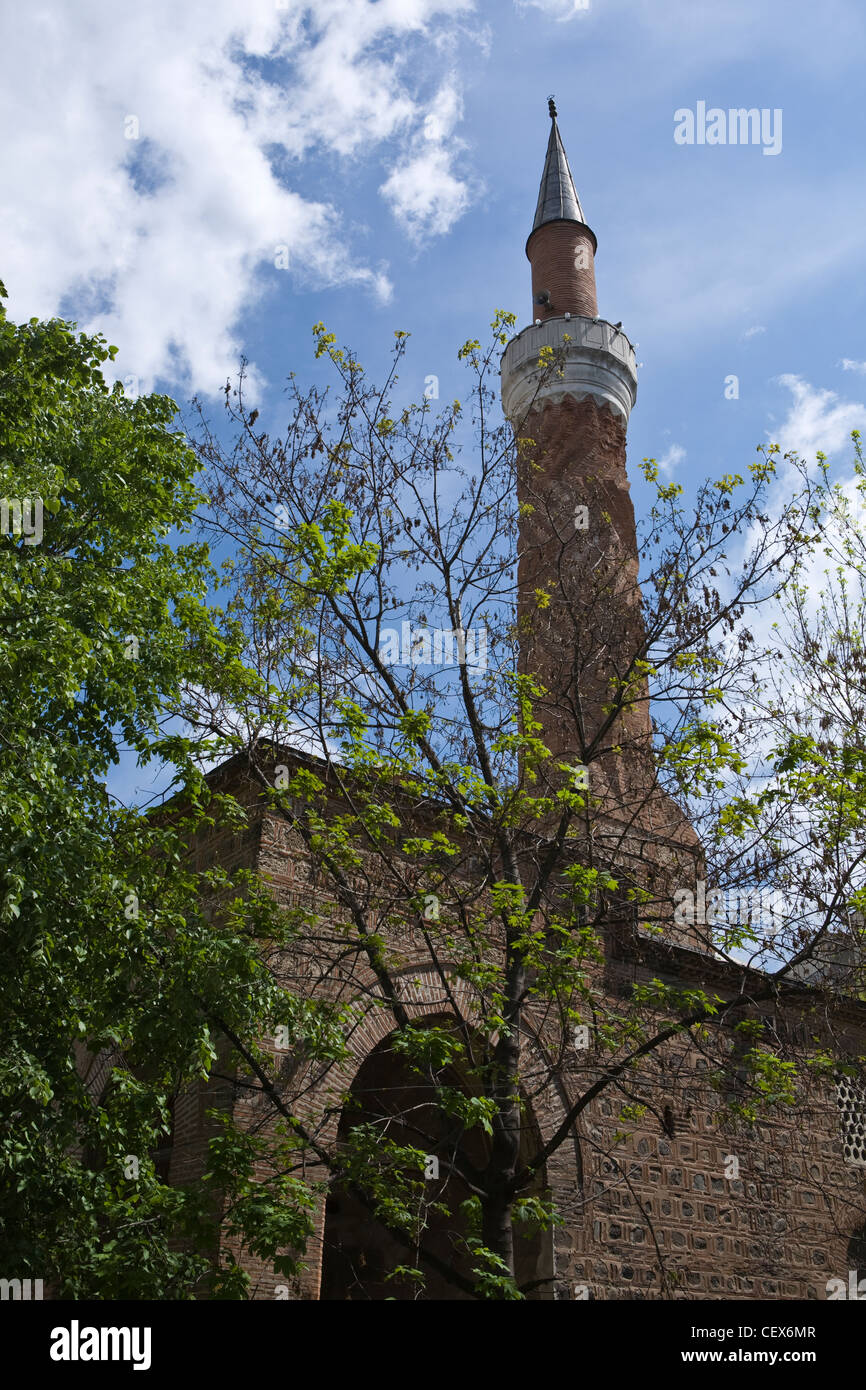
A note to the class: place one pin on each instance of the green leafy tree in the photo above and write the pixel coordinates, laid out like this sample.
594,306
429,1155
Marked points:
122,969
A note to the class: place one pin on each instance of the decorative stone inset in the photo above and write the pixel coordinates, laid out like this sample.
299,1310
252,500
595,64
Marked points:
851,1100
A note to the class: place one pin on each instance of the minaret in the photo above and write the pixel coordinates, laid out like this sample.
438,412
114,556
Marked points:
568,387
569,384
577,539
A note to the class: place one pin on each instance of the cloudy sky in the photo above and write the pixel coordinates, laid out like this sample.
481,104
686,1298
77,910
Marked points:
208,179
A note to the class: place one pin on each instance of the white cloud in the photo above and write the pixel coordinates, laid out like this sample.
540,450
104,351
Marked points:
754,331
817,420
424,194
560,10
849,365
671,460
163,241
446,110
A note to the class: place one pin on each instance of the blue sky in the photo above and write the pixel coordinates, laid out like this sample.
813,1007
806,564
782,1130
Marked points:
393,151
158,160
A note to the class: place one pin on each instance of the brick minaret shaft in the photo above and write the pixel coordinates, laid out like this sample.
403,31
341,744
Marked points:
577,538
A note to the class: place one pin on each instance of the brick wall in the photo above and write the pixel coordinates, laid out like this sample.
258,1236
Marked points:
562,255
665,1196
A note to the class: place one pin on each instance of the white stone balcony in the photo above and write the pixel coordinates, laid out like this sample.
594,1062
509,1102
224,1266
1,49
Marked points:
599,362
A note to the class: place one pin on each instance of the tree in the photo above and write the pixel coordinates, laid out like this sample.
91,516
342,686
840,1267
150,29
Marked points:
114,958
455,738
804,824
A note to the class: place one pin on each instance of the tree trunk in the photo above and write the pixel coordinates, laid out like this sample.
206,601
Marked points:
497,1230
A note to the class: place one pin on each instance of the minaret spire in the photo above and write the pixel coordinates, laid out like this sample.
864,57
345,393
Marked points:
561,247
557,196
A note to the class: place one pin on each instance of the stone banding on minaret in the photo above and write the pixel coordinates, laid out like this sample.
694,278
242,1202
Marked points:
599,361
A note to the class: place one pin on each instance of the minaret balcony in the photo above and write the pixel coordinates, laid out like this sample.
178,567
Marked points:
599,361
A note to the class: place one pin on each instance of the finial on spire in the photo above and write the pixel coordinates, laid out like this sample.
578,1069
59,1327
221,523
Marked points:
551,106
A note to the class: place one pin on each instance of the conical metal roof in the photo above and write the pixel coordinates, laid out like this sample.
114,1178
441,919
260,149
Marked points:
557,196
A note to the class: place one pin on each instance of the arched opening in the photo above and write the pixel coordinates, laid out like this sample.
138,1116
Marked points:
360,1251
